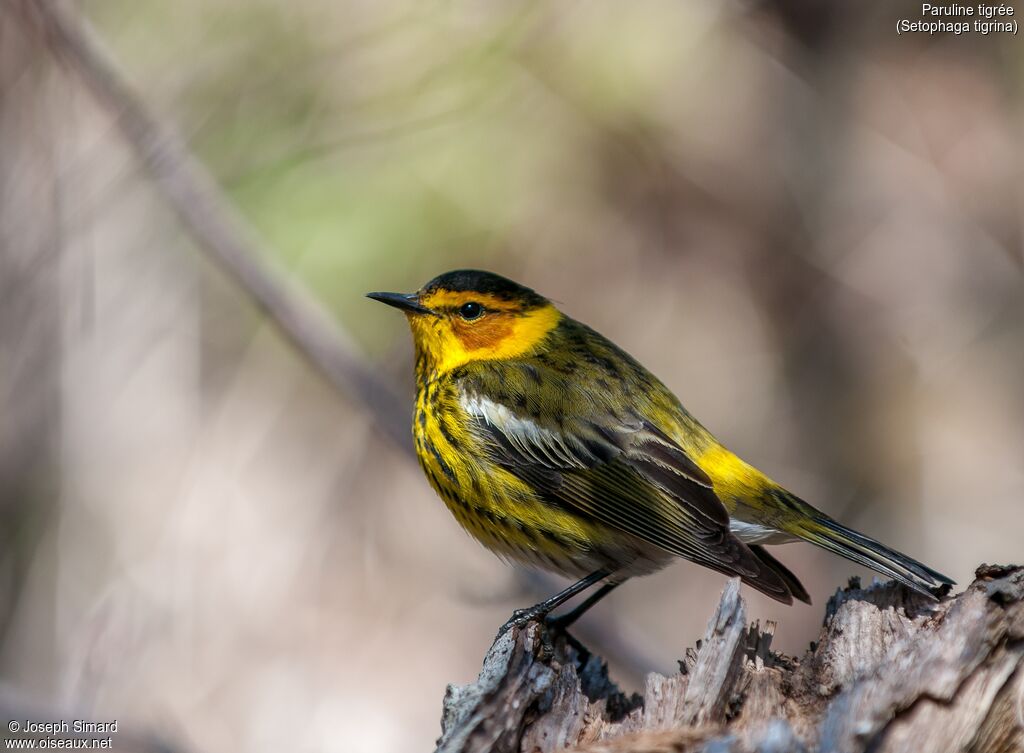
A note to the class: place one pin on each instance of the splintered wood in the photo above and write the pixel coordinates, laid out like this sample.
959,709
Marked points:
890,673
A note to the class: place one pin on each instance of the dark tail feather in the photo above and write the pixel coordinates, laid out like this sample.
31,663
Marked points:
770,583
756,573
792,582
857,547
742,561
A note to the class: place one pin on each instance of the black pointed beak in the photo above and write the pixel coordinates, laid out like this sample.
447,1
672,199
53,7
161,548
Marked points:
406,302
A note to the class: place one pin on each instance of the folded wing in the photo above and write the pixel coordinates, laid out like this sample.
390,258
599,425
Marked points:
625,474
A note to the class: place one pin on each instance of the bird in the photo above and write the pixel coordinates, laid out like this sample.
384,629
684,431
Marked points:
555,448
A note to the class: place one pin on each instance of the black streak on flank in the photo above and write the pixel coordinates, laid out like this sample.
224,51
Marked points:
445,468
456,499
456,445
433,477
474,481
525,531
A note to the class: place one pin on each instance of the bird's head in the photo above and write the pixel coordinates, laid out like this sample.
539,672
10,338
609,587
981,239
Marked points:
468,315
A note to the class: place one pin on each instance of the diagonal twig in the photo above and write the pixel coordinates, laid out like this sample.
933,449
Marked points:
212,221
228,239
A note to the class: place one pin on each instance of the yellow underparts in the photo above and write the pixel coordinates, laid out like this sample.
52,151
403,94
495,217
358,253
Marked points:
496,507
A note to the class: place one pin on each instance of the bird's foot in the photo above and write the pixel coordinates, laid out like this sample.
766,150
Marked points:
553,627
520,618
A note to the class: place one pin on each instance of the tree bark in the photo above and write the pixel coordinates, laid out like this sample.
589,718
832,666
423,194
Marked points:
890,672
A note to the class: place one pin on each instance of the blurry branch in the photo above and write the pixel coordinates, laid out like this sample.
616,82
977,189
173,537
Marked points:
219,230
31,246
213,222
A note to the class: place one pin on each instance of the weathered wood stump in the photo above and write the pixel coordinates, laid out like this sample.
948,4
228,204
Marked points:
890,672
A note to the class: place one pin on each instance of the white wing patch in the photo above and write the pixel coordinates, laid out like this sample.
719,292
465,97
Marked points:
536,443
754,533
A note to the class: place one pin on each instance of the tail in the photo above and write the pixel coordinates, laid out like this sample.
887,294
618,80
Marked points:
819,529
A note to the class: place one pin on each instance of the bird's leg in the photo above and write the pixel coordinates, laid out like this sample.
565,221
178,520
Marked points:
564,621
521,616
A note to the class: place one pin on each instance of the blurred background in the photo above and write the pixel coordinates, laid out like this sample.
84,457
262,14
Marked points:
807,226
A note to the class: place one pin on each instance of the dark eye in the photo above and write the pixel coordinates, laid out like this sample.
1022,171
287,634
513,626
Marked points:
471,310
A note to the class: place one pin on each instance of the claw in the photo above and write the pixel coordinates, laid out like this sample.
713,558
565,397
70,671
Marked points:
519,619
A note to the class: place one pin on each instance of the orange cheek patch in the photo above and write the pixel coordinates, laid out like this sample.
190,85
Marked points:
487,333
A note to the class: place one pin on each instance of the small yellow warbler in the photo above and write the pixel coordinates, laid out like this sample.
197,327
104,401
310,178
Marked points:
554,447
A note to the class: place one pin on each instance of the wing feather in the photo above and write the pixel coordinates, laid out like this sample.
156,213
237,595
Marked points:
627,475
